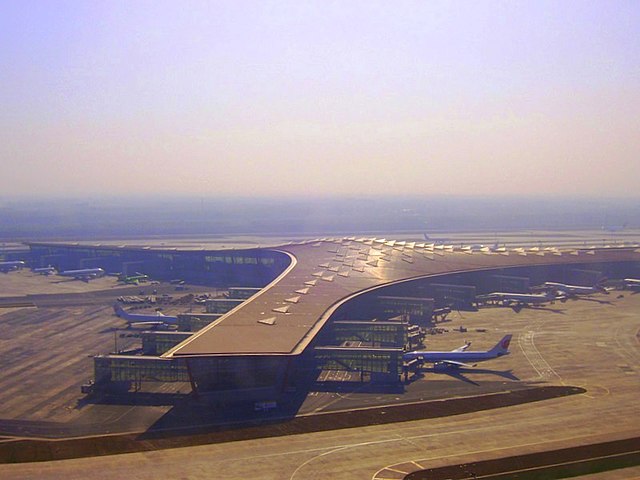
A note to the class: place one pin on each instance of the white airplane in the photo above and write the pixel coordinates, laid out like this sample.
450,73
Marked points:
84,274
457,357
141,320
44,270
574,289
632,284
6,267
519,300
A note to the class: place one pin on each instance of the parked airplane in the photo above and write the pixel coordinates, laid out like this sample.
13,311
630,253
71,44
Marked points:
519,300
632,284
440,314
6,267
457,357
84,274
141,320
574,290
44,270
133,279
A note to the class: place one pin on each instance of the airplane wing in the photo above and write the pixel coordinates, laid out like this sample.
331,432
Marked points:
145,324
454,364
462,348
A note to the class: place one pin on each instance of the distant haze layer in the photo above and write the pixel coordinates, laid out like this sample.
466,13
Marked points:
320,98
158,216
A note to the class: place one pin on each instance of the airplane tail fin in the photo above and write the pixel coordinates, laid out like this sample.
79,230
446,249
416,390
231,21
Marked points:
502,347
119,311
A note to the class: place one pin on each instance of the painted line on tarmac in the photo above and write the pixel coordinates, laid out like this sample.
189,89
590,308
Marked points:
476,452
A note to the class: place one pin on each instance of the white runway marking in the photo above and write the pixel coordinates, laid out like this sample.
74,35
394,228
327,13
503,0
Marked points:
533,355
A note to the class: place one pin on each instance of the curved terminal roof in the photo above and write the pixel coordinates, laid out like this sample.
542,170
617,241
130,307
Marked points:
285,316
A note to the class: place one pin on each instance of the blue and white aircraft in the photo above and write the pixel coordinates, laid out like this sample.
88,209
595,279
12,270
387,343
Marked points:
457,357
141,320
519,300
6,267
84,274
632,284
574,290
44,270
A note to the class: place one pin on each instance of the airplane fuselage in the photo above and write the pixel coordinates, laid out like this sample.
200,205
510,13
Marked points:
523,298
134,278
458,357
10,266
574,289
85,273
434,357
142,317
632,284
44,270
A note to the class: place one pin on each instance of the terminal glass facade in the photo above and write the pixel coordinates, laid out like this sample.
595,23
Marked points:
242,292
460,297
249,373
365,360
192,322
137,369
157,343
418,310
375,333
509,283
251,268
222,305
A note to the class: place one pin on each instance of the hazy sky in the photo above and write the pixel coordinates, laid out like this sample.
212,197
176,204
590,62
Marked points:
320,98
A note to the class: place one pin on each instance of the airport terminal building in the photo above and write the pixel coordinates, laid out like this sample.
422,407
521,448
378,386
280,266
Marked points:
351,304
251,268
